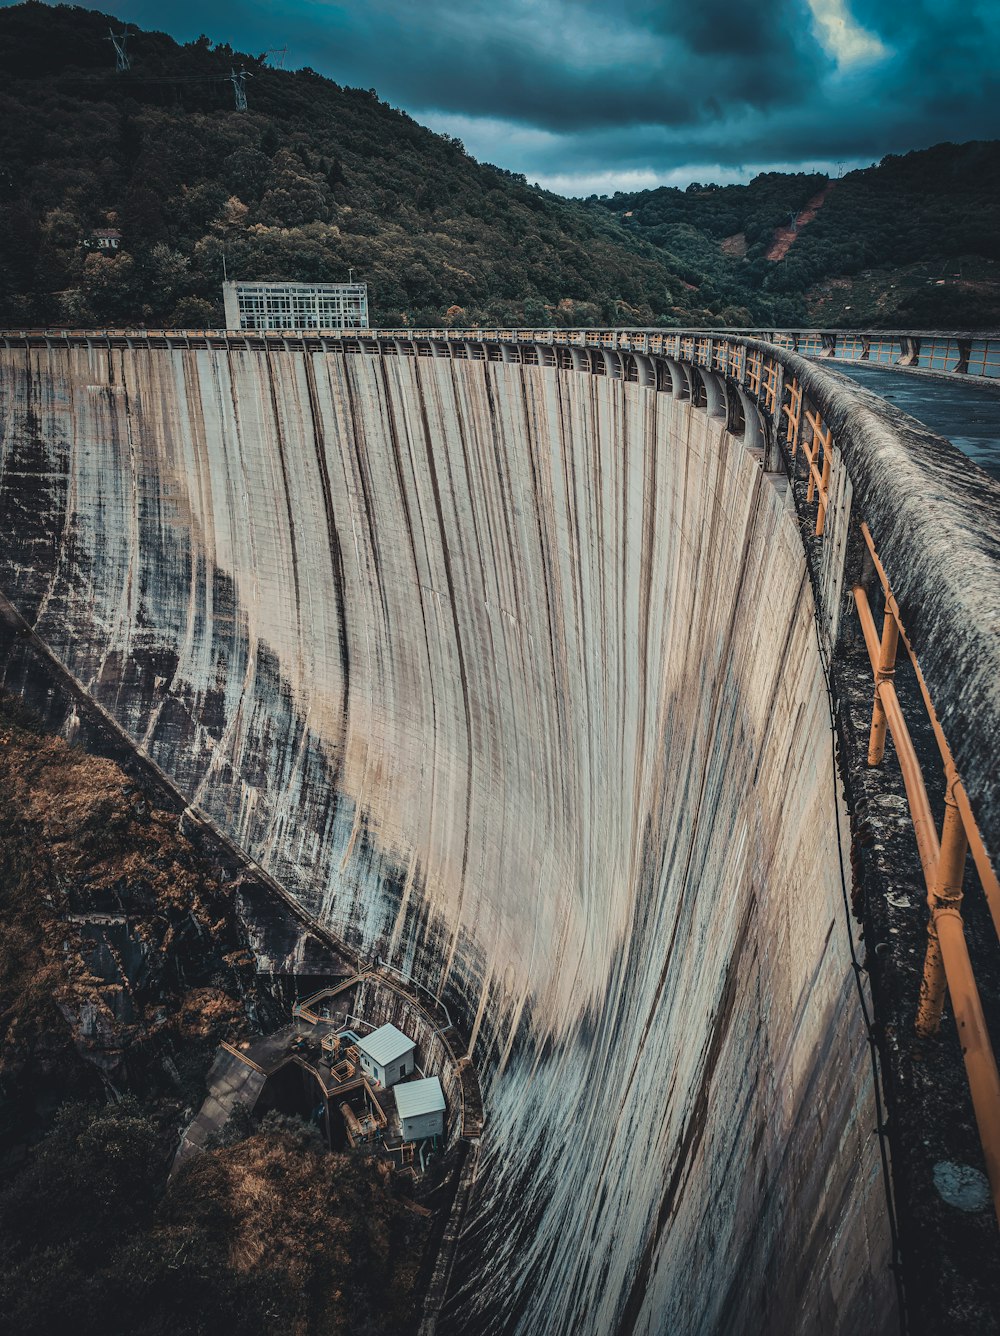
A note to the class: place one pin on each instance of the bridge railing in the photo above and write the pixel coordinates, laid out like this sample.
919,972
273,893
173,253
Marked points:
865,470
869,469
975,355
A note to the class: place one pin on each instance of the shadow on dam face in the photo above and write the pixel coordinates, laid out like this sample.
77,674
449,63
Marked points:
510,676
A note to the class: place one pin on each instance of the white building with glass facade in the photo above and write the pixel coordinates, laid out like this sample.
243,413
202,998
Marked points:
296,305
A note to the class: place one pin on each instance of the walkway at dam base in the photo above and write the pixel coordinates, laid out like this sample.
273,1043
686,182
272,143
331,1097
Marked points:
637,693
314,1068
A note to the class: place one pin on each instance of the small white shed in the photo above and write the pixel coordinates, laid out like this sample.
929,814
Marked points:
421,1109
387,1055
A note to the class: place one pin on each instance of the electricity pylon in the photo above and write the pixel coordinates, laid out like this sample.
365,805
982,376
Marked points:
123,62
239,88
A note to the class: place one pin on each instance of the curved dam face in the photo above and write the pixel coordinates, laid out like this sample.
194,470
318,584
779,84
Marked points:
510,676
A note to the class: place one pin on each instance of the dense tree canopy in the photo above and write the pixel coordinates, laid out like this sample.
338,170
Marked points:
910,241
311,181
314,180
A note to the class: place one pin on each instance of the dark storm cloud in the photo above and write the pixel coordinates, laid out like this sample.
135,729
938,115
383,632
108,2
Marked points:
720,27
566,88
559,64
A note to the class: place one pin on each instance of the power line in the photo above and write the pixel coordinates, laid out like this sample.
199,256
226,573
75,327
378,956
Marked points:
236,78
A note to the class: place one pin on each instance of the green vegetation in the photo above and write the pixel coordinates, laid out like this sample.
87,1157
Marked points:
311,181
315,180
912,241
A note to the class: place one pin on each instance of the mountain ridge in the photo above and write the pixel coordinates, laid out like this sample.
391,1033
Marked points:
315,180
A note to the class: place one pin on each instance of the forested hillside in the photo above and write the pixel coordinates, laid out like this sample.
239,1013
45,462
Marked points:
310,181
314,180
912,241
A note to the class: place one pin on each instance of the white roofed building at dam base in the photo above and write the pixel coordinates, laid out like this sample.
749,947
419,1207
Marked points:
387,1055
421,1109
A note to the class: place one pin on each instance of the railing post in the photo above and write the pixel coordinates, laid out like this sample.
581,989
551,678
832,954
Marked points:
883,673
945,898
810,450
824,488
947,964
793,411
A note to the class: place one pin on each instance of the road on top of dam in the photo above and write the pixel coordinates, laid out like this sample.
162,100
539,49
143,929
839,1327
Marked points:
967,412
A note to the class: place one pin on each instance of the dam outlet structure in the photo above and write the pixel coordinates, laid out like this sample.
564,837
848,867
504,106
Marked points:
541,666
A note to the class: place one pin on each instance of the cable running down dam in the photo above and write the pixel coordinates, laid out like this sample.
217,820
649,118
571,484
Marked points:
526,664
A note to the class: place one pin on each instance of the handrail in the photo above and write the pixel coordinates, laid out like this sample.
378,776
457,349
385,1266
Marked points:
987,877
818,419
943,862
813,428
810,430
971,355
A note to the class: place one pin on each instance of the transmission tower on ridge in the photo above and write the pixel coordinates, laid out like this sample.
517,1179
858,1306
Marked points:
280,52
123,61
240,88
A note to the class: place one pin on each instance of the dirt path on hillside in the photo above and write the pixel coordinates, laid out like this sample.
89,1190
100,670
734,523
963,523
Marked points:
784,237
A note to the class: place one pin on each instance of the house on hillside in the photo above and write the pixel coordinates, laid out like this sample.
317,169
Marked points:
104,239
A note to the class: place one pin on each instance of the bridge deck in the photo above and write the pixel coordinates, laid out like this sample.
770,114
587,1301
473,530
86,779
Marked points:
966,412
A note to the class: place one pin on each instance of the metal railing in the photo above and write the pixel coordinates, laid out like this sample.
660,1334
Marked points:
972,354
947,964
780,384
798,418
975,355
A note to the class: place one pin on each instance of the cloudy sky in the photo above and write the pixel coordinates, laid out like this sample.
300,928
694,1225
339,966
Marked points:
599,95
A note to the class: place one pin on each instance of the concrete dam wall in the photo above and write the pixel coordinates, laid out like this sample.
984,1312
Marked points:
509,675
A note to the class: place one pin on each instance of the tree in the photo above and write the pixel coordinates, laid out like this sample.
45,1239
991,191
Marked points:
335,173
108,284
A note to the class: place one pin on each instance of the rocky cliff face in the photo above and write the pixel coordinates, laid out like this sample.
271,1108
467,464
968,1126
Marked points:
123,961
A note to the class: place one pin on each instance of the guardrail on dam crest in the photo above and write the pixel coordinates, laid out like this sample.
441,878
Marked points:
518,658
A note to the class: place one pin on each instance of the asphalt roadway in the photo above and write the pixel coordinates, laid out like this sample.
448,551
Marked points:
966,411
